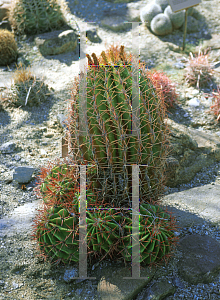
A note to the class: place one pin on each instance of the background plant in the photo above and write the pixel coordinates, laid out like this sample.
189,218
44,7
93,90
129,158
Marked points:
57,234
27,89
164,86
215,108
8,48
37,16
199,72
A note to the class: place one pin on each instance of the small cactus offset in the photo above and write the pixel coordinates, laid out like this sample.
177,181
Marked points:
57,233
8,48
110,142
59,185
156,235
37,16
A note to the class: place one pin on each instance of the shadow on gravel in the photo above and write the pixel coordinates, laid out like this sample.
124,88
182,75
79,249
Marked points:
4,119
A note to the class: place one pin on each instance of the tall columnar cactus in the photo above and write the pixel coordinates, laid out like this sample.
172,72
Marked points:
110,143
37,16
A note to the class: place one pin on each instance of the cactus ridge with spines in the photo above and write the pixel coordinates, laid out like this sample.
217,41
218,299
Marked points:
110,143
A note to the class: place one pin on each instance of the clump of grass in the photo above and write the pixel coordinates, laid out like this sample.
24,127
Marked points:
199,72
164,86
27,89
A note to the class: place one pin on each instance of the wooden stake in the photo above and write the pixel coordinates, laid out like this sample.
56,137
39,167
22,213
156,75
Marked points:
64,149
185,27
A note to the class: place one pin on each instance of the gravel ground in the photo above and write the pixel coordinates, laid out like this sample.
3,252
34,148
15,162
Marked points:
23,275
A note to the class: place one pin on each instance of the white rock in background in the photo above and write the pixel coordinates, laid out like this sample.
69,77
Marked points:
17,157
8,147
23,174
148,12
176,18
161,25
43,152
194,102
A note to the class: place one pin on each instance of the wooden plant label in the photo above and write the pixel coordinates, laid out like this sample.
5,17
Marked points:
177,5
64,149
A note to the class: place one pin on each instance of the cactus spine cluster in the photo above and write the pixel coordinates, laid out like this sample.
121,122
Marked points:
110,143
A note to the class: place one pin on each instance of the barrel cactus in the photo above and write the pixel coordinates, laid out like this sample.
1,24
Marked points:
103,229
61,186
156,236
37,16
56,230
57,233
110,144
27,89
8,48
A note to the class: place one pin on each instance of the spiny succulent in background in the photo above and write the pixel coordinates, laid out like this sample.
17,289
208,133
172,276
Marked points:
164,86
27,89
56,230
8,48
199,71
37,16
110,143
156,235
215,108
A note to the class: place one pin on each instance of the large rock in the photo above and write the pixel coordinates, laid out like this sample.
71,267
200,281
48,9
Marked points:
161,25
200,262
159,290
148,12
23,174
113,285
57,42
92,35
8,147
163,3
120,20
177,18
191,150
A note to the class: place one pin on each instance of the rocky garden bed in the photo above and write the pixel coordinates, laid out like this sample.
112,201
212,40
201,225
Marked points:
31,136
